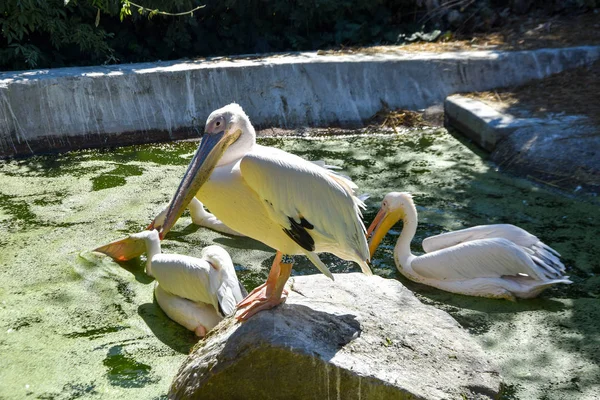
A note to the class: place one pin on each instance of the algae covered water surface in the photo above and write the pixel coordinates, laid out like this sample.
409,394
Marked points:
77,325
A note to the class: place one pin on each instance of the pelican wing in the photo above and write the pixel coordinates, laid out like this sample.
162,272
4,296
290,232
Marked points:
186,312
314,206
510,232
483,258
516,235
183,276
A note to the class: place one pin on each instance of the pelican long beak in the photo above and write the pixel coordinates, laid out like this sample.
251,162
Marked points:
123,249
382,223
202,165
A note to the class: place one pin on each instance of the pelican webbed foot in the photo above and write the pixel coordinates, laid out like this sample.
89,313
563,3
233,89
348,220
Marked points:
269,294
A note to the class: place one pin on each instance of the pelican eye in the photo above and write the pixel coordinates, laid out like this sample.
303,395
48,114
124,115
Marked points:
218,123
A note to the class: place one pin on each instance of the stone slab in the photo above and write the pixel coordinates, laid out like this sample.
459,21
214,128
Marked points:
478,121
67,108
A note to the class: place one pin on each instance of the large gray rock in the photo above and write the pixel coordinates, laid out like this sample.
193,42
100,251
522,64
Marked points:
356,338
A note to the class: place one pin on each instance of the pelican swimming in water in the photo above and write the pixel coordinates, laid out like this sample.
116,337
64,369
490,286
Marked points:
499,261
194,292
284,201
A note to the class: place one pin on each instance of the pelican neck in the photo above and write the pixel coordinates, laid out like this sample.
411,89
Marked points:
409,229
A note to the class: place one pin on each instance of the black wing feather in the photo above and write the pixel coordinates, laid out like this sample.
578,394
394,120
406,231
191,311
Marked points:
299,234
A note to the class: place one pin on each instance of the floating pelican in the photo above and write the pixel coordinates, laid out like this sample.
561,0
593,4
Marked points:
194,292
282,200
501,261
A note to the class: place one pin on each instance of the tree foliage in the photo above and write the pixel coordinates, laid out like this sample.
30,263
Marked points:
55,33
50,33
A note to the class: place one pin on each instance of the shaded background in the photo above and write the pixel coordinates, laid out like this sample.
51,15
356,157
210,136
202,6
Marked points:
49,34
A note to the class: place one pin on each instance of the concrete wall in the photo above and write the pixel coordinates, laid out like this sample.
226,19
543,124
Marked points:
93,106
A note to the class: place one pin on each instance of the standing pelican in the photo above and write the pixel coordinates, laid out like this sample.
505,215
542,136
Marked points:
501,261
194,292
282,200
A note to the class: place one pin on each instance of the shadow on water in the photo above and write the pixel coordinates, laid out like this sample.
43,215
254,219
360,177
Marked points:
82,162
167,331
73,390
177,234
239,242
124,371
137,266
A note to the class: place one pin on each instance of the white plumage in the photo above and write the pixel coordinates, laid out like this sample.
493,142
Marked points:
503,242
489,261
195,292
197,317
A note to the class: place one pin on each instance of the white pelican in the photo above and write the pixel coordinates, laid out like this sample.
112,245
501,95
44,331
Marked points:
194,292
499,261
272,196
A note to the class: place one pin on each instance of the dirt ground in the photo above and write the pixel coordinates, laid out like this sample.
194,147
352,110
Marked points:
572,92
519,33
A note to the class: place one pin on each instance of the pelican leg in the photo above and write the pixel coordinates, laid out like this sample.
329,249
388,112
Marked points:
262,292
275,295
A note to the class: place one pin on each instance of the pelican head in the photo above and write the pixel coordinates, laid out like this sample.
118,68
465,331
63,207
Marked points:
228,135
393,208
220,261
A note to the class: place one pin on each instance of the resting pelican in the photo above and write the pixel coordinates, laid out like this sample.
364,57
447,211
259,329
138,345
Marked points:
500,261
194,292
277,198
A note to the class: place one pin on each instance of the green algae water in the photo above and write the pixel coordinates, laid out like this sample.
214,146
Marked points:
76,325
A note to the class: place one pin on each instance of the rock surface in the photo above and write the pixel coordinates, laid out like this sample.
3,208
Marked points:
358,337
